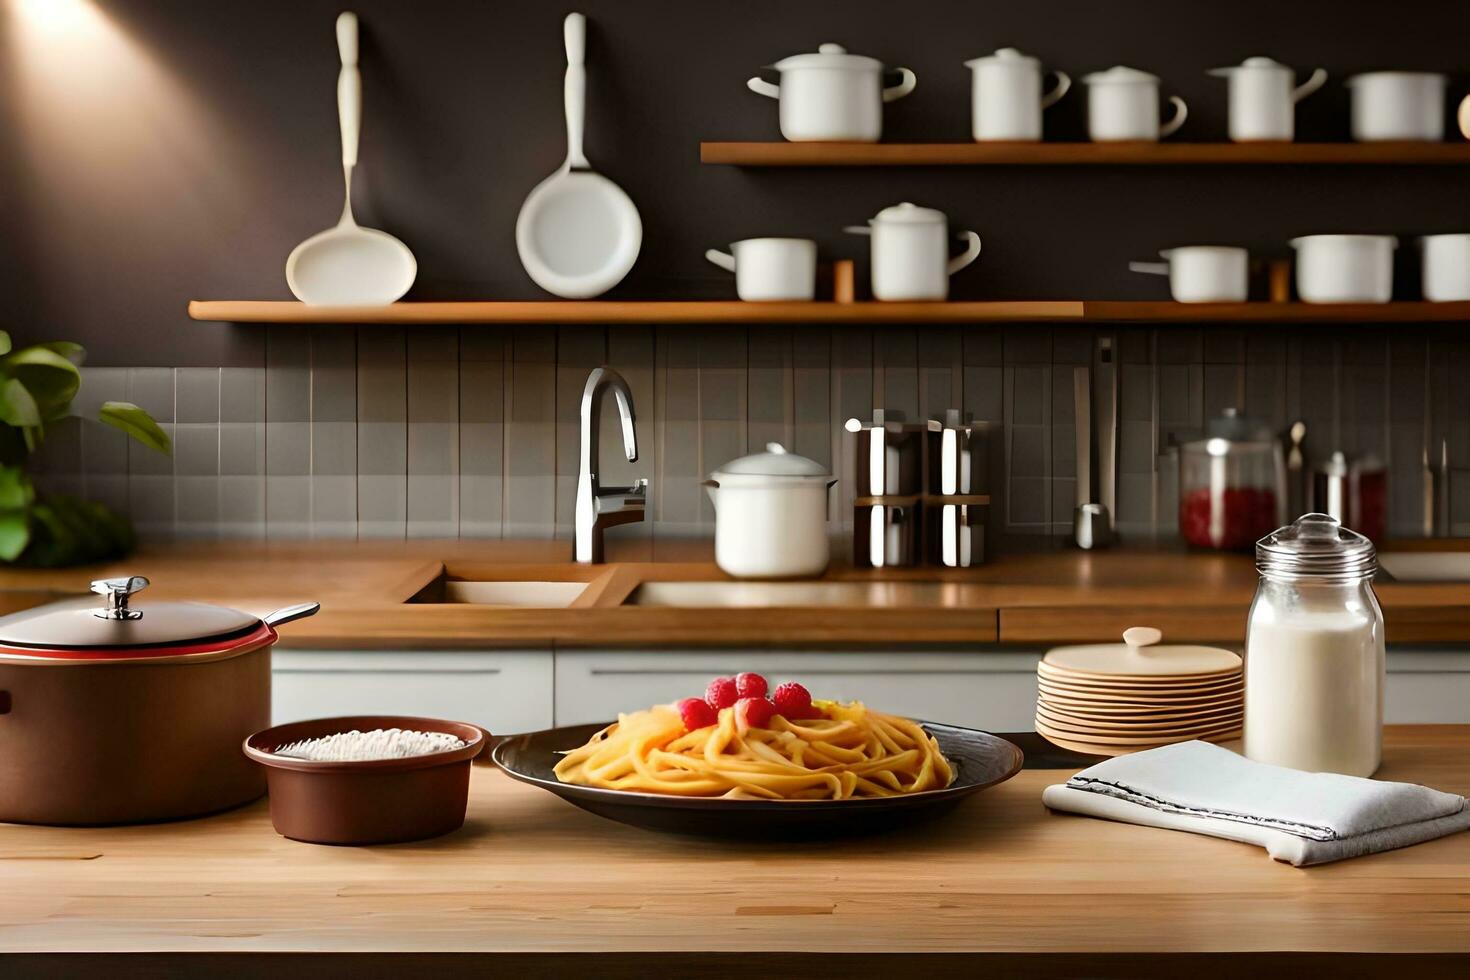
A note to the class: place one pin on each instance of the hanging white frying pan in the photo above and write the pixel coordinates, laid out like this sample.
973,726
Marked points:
578,233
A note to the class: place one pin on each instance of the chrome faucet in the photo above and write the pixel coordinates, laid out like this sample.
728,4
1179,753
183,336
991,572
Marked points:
600,507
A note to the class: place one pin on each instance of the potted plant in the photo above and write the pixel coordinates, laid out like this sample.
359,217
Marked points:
37,386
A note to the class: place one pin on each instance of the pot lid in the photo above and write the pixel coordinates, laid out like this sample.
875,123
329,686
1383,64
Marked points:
909,214
776,461
1430,75
1141,655
1004,56
1258,62
1121,75
117,623
829,55
1316,546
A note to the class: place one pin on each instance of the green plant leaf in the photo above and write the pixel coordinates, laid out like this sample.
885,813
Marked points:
16,497
17,406
50,377
15,534
16,491
70,350
4,342
136,423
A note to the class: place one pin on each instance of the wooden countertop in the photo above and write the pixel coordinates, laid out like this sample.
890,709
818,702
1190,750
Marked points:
1055,597
532,875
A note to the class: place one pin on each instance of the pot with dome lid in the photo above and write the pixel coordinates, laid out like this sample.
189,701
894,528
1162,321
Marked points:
119,711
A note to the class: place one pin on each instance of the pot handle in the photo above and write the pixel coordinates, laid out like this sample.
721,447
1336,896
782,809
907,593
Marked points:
969,255
760,86
710,486
1319,77
858,229
292,613
1064,83
904,87
1149,268
1181,113
724,260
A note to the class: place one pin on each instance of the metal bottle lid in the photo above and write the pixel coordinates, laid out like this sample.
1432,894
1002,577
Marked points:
1318,547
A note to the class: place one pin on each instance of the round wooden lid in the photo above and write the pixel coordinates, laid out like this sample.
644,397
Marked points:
1141,656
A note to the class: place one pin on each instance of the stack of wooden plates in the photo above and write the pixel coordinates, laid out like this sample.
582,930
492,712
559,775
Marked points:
1114,698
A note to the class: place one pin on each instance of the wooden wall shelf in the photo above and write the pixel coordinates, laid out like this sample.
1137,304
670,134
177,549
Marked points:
734,311
781,154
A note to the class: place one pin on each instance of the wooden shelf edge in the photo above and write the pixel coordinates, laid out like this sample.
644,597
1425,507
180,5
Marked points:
782,154
734,311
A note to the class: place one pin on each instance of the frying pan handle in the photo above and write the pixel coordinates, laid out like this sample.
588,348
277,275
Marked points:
575,31
292,613
349,88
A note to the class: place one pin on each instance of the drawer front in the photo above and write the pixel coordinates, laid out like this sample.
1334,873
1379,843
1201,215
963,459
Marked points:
995,691
503,691
1427,687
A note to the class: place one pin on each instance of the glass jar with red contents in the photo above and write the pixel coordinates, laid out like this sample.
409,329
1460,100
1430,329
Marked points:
1232,484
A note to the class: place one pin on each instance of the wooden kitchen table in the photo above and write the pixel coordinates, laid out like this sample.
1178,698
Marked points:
534,887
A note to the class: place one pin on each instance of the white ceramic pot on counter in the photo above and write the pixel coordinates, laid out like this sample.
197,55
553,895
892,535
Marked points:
910,252
1446,268
771,515
1123,104
1006,96
770,269
1263,98
1203,273
832,95
1344,268
1398,105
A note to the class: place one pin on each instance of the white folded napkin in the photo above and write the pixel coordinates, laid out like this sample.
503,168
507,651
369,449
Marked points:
1300,817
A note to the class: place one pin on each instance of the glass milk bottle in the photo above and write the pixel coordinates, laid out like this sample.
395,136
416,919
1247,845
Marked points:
1314,655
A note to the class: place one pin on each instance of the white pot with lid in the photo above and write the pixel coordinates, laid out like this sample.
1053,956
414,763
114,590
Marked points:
1398,105
1344,268
1446,269
1263,98
1202,273
1123,105
771,514
830,94
1007,99
910,252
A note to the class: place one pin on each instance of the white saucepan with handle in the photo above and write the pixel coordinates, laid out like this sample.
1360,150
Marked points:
578,233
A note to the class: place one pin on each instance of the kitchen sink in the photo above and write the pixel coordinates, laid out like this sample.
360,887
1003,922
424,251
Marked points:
724,594
523,587
1426,566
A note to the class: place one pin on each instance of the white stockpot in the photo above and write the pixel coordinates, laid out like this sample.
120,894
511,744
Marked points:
832,95
770,514
1203,273
1344,268
910,252
1263,98
1123,104
1007,99
1398,105
1446,267
768,269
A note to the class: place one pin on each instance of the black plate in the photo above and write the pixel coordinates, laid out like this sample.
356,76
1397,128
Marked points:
979,759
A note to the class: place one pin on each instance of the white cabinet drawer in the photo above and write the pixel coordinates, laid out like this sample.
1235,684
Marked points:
504,691
995,691
1427,687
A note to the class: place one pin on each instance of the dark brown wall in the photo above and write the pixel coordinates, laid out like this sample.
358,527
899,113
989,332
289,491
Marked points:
189,165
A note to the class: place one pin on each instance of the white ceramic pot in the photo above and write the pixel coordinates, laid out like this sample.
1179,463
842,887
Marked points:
1398,105
768,269
1263,98
832,95
1007,99
910,252
1446,267
1123,104
1203,273
1344,268
770,515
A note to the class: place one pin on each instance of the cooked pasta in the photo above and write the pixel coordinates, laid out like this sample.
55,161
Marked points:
849,752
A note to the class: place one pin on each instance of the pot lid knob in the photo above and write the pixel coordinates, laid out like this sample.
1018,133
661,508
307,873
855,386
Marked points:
830,48
119,590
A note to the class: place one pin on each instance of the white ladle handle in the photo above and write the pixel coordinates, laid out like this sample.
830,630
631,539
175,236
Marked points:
575,29
349,88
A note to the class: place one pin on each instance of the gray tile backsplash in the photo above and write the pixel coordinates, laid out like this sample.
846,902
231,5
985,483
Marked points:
473,431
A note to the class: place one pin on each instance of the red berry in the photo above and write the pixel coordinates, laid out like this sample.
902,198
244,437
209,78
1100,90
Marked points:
749,685
755,712
793,700
697,714
721,693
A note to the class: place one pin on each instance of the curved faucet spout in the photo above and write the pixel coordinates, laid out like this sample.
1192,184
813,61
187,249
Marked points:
597,506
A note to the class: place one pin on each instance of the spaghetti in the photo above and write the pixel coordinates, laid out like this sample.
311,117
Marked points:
849,752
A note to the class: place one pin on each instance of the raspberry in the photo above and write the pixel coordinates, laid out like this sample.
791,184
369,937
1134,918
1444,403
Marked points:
793,701
749,685
721,693
754,712
697,714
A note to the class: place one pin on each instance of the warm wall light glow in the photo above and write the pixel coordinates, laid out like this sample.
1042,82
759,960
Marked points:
54,18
